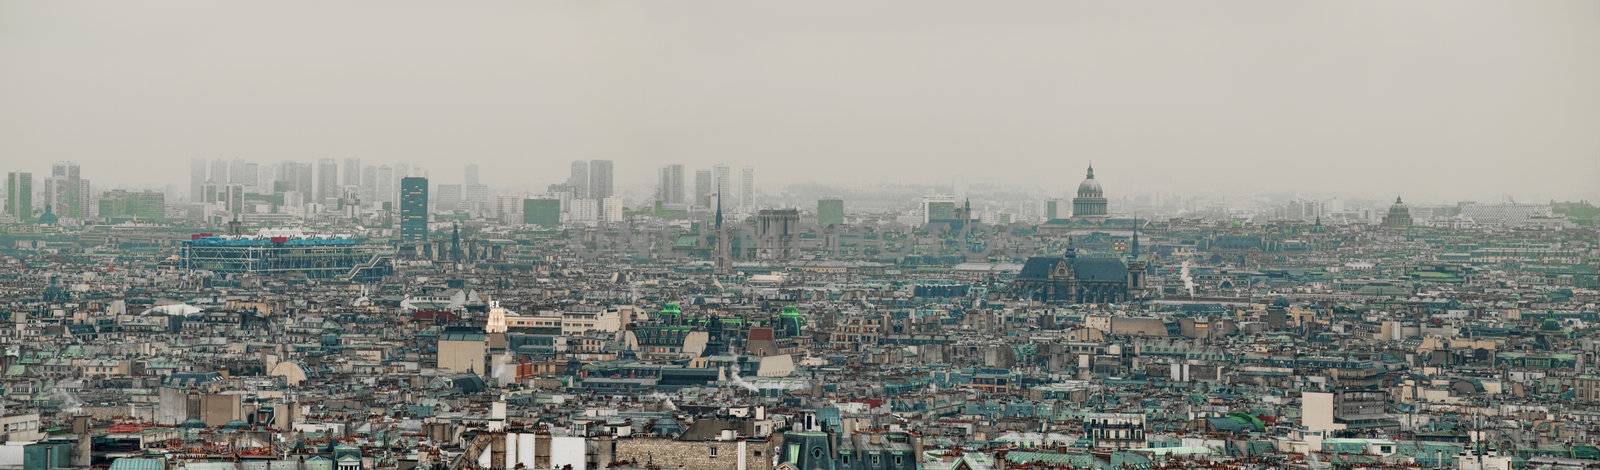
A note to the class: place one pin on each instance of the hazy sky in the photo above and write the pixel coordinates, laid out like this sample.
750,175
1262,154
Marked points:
1433,99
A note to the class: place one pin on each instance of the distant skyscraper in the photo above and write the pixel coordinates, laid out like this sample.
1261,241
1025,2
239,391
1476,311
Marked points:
414,210
471,176
249,175
327,179
67,195
242,172
474,198
235,199
352,171
747,189
369,184
296,177
830,212
579,179
671,185
197,179
385,190
219,172
600,179
19,195
448,198
702,188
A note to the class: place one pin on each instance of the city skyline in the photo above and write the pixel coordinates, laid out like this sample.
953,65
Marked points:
1363,98
722,235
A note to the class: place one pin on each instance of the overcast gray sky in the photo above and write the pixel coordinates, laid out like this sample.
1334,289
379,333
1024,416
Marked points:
1436,99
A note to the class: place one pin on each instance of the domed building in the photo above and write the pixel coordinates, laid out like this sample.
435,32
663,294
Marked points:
1399,215
1091,201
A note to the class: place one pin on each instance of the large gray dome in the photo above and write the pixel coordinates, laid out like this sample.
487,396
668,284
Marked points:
1090,187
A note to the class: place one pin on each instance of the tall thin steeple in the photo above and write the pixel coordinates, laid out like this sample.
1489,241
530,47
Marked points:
719,210
455,242
724,255
1134,249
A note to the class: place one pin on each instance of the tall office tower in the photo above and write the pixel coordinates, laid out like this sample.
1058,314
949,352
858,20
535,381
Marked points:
296,177
352,172
327,180
448,198
19,195
250,177
88,200
385,191
747,189
721,184
471,176
236,172
369,184
579,179
211,193
661,185
600,179
68,196
830,212
413,210
702,188
475,198
197,179
219,171
669,189
235,199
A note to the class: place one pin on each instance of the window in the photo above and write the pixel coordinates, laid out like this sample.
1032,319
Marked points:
899,460
713,451
816,453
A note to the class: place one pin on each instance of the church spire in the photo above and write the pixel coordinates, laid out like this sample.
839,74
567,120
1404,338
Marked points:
1091,172
719,208
1134,249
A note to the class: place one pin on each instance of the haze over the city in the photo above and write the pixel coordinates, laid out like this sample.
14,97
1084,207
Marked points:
1434,99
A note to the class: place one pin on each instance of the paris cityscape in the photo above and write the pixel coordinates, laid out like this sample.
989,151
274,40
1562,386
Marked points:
245,237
